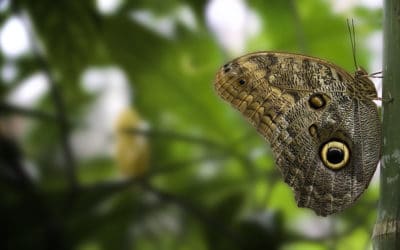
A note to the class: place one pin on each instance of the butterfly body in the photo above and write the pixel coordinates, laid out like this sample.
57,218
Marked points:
321,122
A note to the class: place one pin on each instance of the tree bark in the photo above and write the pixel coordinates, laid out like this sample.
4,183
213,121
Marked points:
386,233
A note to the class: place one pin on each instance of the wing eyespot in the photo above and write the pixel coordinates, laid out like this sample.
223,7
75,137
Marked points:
313,130
335,154
317,101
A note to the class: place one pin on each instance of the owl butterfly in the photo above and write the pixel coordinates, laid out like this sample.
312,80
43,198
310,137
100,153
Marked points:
321,122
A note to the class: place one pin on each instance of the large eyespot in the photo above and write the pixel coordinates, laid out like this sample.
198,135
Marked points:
335,155
317,101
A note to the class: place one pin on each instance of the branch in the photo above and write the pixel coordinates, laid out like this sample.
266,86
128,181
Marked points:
177,136
6,108
207,143
387,229
187,206
212,223
177,165
59,105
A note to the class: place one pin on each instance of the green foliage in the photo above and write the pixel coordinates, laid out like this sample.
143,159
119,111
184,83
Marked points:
212,183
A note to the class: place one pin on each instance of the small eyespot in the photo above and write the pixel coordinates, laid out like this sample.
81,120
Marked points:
317,101
242,82
313,130
226,65
335,155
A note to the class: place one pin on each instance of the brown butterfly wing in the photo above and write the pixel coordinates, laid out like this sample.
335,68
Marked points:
298,104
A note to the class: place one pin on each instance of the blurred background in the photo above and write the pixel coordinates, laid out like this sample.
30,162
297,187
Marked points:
111,135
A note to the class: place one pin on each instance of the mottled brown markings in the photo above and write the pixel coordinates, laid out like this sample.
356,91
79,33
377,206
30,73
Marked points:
295,113
299,162
272,58
306,64
240,98
328,72
263,62
312,186
288,97
271,111
289,64
298,132
260,108
315,191
340,77
300,159
296,96
286,120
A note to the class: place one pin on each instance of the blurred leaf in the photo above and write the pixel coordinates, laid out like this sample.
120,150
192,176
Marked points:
310,28
263,230
304,246
70,38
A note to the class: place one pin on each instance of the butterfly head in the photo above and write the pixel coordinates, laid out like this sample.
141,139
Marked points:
360,72
365,86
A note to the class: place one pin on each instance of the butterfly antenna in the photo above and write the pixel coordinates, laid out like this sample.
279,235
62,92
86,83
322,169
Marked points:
352,35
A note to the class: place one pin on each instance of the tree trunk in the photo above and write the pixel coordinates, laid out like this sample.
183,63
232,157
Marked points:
386,233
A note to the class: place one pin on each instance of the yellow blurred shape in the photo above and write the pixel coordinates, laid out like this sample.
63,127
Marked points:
132,148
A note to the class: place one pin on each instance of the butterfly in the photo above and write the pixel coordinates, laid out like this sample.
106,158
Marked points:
321,122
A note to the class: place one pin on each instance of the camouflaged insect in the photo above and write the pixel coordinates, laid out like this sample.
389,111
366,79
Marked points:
321,122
